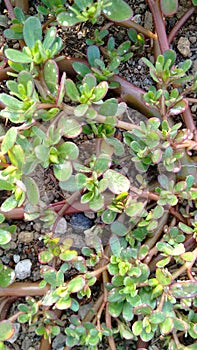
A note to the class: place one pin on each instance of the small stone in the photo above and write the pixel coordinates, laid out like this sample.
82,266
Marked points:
37,226
16,333
26,236
5,259
23,269
137,19
80,222
59,342
194,67
61,227
83,310
90,215
78,240
16,46
16,258
184,46
148,21
192,39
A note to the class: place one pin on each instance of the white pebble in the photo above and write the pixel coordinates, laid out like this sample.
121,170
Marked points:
23,269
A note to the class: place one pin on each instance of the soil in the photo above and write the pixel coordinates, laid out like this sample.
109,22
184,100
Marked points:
27,241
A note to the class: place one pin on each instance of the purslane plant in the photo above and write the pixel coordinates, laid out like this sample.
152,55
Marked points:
140,290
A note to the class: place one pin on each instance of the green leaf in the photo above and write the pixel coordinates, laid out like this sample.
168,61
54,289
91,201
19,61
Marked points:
81,68
184,228
45,256
9,140
5,236
109,108
7,277
163,277
102,163
143,309
118,183
68,255
93,54
119,229
134,209
32,31
179,107
51,75
76,284
115,245
9,204
157,317
42,153
70,127
169,7
68,151
31,190
49,38
72,90
11,102
64,303
108,216
115,309
164,181
5,185
185,289
127,311
137,328
118,11
67,19
6,330
17,56
100,91
63,171
166,326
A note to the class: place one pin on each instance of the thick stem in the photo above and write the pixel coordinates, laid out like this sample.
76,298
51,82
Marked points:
9,8
159,24
22,4
189,122
131,24
23,289
164,45
180,24
18,213
45,344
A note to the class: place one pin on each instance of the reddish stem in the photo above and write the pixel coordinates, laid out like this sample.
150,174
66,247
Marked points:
131,24
189,122
159,24
9,8
45,344
22,4
18,213
164,45
23,289
180,24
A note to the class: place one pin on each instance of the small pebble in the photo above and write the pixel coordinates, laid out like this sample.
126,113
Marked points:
78,240
5,259
61,227
23,269
16,258
59,342
26,236
184,46
80,222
